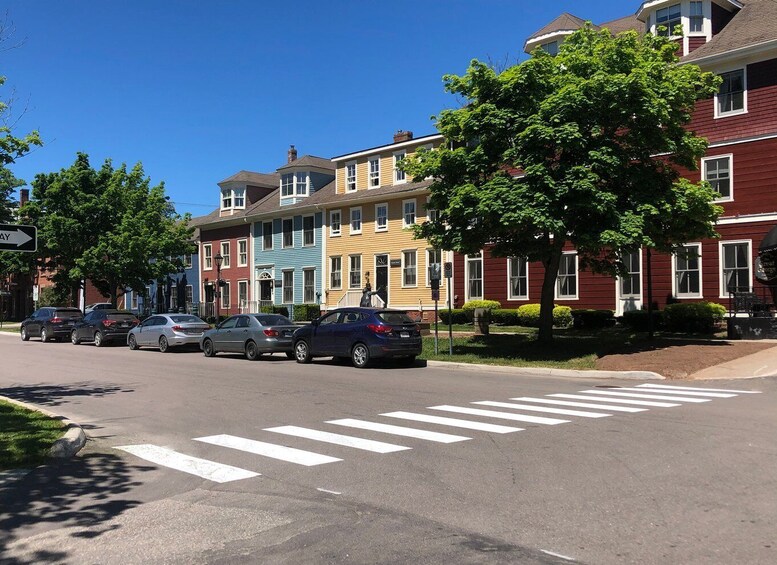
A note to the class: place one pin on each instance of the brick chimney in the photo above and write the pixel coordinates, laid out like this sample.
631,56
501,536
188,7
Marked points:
291,155
403,135
24,196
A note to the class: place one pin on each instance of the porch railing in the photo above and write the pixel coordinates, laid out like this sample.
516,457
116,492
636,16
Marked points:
354,298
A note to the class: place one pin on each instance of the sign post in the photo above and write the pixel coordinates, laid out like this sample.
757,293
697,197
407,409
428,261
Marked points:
448,276
18,238
434,281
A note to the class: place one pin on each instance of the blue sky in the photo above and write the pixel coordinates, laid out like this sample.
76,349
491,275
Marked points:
197,90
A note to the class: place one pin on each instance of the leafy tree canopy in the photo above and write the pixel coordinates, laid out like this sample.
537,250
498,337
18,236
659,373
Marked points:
564,149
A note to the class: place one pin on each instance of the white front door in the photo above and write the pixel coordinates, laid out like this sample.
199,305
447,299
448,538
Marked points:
629,287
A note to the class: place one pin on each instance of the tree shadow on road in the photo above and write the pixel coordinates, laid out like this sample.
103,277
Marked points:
55,395
84,492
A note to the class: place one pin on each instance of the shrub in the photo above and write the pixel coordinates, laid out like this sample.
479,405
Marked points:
593,319
487,304
637,320
282,310
306,312
505,317
562,316
458,316
529,315
693,317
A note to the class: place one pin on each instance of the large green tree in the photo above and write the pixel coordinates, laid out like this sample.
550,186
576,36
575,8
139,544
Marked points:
109,226
582,147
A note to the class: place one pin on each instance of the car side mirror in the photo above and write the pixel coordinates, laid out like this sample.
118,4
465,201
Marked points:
315,321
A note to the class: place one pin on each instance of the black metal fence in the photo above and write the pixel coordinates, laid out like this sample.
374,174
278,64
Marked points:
755,302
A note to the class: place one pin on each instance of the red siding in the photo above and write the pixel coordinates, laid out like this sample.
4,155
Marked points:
695,42
233,274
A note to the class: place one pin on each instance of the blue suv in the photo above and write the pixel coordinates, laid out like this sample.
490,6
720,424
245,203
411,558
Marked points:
360,334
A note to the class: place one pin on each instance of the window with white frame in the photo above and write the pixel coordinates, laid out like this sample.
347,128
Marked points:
334,222
308,286
174,297
287,287
433,257
631,281
354,271
350,176
432,215
474,268
687,271
566,285
207,255
134,300
381,217
239,195
225,298
242,293
187,261
730,98
356,220
287,185
267,236
301,180
409,268
189,294
399,174
696,17
336,273
717,172
374,169
518,278
226,199
225,255
408,213
288,232
550,47
308,231
735,265
669,18
242,253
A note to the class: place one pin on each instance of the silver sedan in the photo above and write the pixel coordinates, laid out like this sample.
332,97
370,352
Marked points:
164,331
251,335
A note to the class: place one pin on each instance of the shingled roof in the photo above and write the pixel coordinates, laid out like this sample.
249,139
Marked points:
629,23
256,179
310,161
565,22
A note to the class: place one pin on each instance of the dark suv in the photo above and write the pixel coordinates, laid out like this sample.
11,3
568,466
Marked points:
50,323
104,326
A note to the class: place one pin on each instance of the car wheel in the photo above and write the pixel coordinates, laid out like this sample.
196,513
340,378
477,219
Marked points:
99,340
290,355
252,351
360,356
25,335
44,335
74,338
302,351
132,342
164,346
207,348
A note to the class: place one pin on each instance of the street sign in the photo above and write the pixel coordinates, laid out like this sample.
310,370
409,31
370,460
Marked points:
435,294
18,238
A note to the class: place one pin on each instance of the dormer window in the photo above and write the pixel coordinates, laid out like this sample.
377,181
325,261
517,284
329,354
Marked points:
550,48
302,184
287,185
239,196
669,18
696,17
294,184
350,176
226,199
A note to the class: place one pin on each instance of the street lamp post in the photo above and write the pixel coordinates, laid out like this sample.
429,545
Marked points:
218,258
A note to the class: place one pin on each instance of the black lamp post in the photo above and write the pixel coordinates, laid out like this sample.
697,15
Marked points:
218,258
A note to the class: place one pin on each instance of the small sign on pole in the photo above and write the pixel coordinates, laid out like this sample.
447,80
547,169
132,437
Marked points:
448,268
18,238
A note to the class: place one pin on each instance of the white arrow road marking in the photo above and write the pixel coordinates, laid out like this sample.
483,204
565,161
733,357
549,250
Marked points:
399,430
700,389
562,411
17,237
210,470
338,439
502,415
580,404
281,452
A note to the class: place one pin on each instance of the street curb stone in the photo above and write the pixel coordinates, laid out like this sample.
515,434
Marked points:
70,443
548,372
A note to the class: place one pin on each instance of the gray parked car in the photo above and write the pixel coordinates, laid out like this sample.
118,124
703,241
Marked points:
250,334
164,331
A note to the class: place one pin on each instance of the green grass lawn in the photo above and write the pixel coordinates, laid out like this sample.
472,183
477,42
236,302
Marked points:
14,330
25,436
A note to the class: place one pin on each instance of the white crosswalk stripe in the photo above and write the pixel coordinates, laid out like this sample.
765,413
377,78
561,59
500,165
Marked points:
338,439
453,422
645,396
672,387
271,450
680,392
618,400
399,430
216,472
562,411
501,415
580,404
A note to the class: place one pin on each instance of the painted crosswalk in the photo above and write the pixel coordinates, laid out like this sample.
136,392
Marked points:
591,404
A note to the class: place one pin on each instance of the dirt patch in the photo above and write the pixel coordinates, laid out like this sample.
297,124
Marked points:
676,359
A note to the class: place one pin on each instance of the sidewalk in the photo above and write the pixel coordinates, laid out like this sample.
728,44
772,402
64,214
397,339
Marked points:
761,364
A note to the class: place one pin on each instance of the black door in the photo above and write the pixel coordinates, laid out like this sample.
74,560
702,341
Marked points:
382,277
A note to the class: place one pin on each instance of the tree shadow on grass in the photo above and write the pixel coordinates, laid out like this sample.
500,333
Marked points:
84,492
55,395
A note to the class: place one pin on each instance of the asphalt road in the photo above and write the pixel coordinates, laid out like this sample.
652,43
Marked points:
691,483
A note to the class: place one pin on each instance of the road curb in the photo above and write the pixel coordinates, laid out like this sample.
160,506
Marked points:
547,372
70,443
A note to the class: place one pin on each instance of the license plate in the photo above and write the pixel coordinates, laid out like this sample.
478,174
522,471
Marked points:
125,325
404,334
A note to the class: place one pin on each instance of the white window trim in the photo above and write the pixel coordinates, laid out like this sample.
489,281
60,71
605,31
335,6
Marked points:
730,156
309,270
248,290
234,204
619,289
388,271
332,270
283,286
240,263
223,295
723,71
272,236
307,185
427,265
369,174
226,257
314,230
339,232
749,242
467,258
577,280
352,231
415,212
675,293
379,229
188,260
293,242
293,186
361,271
510,295
208,246
227,193
394,167
355,176
411,250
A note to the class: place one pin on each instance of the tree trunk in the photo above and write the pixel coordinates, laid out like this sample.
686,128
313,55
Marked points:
114,296
548,295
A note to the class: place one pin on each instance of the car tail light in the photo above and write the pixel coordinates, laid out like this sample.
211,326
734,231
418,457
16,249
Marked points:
271,333
108,323
56,320
177,328
379,328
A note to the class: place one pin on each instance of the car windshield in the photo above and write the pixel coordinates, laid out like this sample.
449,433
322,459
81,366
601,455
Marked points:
68,314
186,320
395,318
273,320
123,316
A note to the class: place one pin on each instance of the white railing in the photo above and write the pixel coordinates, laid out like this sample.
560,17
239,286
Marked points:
253,306
354,298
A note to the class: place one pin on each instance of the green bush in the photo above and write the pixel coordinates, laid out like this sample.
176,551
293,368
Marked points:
282,310
488,304
593,319
637,320
458,316
505,317
562,316
529,316
306,312
693,317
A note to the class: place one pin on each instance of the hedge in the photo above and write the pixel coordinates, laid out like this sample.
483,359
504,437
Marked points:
529,316
505,317
637,320
593,319
693,317
306,312
282,310
488,304
458,316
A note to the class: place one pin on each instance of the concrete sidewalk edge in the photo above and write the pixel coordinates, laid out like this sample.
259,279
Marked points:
548,372
70,443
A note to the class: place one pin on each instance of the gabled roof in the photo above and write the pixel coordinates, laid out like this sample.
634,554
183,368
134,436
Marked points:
628,23
565,22
309,161
256,179
754,24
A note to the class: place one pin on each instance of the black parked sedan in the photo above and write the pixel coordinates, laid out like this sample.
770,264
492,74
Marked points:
104,326
251,335
360,334
50,323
